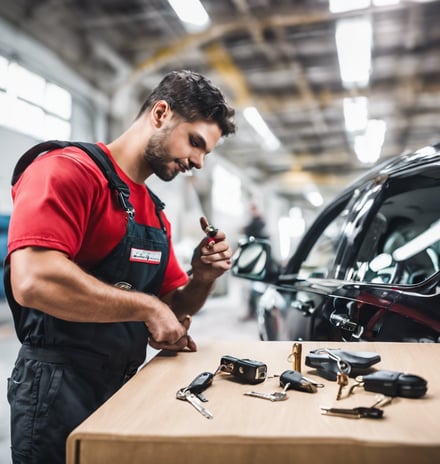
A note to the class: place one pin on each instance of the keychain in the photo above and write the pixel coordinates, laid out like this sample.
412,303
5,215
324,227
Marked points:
392,383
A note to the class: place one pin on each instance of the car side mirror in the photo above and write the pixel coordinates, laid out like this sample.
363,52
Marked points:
252,260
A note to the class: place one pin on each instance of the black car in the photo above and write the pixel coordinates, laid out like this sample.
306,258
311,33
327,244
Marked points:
367,269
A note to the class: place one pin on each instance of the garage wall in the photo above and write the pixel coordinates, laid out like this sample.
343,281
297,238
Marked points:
88,106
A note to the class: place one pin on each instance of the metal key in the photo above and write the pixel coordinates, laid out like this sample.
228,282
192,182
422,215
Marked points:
186,395
297,381
354,413
342,381
275,396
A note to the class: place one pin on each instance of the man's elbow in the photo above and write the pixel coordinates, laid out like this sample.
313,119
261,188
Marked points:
24,290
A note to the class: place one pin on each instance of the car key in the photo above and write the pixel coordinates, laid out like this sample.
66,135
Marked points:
193,393
186,395
200,384
296,381
275,396
211,232
354,413
244,370
392,383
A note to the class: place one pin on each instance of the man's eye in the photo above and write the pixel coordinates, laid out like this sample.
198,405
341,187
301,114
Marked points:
193,142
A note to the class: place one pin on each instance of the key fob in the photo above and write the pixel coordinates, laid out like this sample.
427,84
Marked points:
201,383
391,383
296,381
245,370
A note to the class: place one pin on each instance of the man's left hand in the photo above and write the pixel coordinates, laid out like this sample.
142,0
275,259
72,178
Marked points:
212,257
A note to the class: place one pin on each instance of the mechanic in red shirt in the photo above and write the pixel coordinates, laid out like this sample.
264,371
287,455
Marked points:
84,230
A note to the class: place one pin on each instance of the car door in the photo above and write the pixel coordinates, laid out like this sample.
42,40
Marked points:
356,276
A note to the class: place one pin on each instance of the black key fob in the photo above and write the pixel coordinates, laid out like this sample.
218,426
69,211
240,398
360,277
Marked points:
201,383
391,383
244,370
296,382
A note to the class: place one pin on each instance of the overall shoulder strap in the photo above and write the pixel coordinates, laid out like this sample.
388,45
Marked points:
94,151
33,152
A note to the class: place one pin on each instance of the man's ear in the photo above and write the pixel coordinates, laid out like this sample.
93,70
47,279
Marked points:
160,112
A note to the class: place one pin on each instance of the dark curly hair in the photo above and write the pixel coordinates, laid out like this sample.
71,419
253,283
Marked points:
194,98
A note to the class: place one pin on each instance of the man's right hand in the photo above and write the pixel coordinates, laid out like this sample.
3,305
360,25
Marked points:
184,342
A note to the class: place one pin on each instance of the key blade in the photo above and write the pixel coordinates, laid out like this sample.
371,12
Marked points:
264,396
341,412
194,401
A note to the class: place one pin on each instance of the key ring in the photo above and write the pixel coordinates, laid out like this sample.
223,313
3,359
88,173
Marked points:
343,366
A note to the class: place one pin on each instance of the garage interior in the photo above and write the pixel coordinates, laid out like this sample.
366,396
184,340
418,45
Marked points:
279,62
278,57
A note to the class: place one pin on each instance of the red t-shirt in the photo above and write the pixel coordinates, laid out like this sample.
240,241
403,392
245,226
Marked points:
62,201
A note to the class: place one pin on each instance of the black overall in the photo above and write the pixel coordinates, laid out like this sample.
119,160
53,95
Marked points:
66,370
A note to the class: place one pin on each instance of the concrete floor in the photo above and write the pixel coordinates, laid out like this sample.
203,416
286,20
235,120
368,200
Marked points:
218,320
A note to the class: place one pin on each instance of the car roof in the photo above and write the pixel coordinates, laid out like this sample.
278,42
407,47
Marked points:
425,156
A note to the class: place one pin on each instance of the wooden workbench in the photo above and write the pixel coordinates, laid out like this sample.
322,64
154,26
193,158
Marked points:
145,423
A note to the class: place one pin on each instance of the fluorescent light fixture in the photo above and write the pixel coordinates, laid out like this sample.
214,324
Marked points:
340,6
353,42
368,146
254,118
418,244
355,114
385,2
192,14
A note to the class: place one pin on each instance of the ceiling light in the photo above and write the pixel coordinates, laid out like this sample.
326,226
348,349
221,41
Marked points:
385,2
353,41
315,198
340,6
355,113
368,146
192,14
254,118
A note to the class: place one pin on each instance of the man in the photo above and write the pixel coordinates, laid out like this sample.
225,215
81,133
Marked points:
256,228
91,274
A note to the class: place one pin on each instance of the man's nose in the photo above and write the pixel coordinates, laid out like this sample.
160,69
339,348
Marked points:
196,159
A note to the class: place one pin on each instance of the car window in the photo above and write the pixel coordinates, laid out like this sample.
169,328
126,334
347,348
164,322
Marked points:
321,257
402,242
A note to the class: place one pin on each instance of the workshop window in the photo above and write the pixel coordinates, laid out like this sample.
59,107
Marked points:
32,105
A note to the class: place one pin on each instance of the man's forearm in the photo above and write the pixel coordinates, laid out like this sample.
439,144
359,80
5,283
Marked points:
189,299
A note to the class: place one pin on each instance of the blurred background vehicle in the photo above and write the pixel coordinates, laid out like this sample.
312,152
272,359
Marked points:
368,268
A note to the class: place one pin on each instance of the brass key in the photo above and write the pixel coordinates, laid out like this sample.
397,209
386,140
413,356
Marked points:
342,381
354,413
